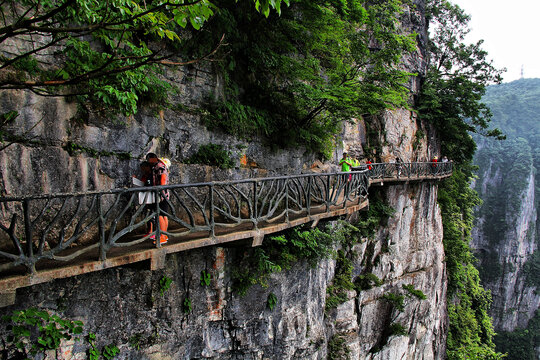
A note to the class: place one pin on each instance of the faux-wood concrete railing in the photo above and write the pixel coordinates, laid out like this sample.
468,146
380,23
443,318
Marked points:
55,236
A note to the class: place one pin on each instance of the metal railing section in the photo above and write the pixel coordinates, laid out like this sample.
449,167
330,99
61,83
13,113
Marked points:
404,171
89,226
38,230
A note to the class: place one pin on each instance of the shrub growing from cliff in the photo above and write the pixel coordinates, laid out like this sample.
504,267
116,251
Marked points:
213,155
35,332
294,245
470,333
521,343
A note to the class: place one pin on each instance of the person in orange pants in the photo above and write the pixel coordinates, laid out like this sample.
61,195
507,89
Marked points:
160,176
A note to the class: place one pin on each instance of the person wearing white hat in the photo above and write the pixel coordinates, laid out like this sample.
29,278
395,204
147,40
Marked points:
160,176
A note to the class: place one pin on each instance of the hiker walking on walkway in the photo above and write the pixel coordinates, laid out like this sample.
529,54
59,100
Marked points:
160,176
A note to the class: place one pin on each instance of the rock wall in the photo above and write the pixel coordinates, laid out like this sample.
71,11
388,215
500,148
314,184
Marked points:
505,254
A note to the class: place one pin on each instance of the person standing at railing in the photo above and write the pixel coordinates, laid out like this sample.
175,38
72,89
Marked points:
368,163
434,165
160,176
355,163
346,165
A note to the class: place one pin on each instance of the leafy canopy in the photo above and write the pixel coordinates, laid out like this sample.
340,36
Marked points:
456,80
102,51
295,78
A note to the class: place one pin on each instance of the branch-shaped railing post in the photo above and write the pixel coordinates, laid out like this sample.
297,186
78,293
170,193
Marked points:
255,207
212,219
287,200
327,193
157,228
345,189
28,233
308,195
101,229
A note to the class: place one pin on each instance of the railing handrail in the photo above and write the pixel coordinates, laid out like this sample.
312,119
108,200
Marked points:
209,183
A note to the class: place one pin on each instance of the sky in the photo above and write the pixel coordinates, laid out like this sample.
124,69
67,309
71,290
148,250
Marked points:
511,33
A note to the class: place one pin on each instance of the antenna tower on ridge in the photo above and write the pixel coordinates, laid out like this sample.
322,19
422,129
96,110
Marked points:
522,71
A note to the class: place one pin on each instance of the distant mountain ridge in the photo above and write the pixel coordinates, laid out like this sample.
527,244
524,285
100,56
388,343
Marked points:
506,236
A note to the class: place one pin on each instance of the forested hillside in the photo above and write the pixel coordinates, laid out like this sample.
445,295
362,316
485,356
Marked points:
506,232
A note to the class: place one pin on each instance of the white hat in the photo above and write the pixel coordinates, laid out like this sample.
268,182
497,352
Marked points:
166,161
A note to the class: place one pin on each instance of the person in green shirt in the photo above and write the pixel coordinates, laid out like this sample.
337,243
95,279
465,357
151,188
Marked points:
345,163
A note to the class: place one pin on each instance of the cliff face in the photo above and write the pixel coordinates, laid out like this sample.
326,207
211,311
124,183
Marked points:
506,235
126,306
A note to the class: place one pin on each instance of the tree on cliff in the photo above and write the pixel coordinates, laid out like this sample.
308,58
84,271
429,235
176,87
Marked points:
292,80
98,50
456,80
450,99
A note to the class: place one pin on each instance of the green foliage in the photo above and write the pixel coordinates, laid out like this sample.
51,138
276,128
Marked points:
520,344
240,120
135,341
418,136
296,244
531,268
397,301
377,214
293,79
396,329
108,353
73,149
457,77
164,284
337,348
271,301
337,292
110,52
345,233
457,201
414,292
391,329
515,108
281,252
205,278
213,155
256,268
186,305
93,352
367,281
36,331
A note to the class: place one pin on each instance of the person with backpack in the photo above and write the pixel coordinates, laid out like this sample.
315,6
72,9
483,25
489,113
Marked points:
160,176
368,164
434,165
